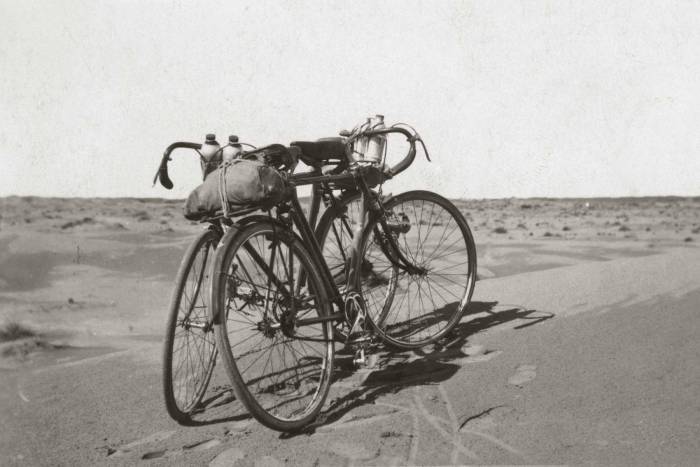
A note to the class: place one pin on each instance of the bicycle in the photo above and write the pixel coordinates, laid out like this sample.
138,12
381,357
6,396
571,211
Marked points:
189,351
278,308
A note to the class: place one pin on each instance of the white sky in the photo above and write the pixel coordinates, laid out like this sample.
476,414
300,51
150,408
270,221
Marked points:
513,98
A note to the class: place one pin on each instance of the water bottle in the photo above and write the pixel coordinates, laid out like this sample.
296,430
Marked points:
360,146
232,150
211,157
377,143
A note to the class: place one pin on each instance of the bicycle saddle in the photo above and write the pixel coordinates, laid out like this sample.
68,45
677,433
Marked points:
314,153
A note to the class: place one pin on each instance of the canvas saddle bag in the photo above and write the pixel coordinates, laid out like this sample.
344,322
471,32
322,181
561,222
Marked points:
250,181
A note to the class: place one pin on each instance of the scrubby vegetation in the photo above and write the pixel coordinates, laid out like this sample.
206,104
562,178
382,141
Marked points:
11,331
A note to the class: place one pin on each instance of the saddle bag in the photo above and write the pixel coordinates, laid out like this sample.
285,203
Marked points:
242,183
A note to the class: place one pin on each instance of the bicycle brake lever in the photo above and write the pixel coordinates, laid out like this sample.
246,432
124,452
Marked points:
425,149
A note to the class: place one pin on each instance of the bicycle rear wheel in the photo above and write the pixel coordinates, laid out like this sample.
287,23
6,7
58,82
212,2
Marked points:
434,236
279,369
189,353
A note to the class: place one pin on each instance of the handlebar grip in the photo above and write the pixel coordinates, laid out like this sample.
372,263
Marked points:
163,176
162,173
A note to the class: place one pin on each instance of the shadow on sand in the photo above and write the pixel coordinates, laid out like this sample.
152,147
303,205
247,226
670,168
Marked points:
395,370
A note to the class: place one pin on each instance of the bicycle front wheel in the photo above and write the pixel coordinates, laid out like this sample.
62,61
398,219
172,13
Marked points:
280,368
433,235
189,353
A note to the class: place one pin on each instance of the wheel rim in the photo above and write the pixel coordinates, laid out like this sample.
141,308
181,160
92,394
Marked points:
282,368
194,349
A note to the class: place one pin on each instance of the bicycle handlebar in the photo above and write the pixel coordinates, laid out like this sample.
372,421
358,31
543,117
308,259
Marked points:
412,138
162,173
164,178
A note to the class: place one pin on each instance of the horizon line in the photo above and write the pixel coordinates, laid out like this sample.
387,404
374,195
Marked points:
160,198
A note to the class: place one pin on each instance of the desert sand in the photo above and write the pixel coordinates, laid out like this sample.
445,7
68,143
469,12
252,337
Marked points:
581,345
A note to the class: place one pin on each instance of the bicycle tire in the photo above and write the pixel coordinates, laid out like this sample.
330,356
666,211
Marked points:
192,374
251,325
422,309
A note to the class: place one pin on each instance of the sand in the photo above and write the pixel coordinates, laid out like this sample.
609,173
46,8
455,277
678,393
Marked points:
582,345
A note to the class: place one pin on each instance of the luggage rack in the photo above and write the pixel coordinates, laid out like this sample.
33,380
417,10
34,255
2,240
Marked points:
220,216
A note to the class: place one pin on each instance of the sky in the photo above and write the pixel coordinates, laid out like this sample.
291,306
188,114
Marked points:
513,99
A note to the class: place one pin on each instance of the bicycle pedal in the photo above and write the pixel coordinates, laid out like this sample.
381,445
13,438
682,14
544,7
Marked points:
364,359
360,357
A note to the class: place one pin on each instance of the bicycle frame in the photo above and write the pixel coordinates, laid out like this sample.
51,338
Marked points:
370,210
308,236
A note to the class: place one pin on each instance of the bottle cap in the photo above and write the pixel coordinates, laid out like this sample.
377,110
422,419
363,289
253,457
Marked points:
211,137
380,117
233,139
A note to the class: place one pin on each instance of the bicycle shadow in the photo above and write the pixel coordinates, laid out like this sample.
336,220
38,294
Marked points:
394,371
397,370
218,401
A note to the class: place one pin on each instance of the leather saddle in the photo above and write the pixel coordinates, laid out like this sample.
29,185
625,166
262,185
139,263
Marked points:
317,153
